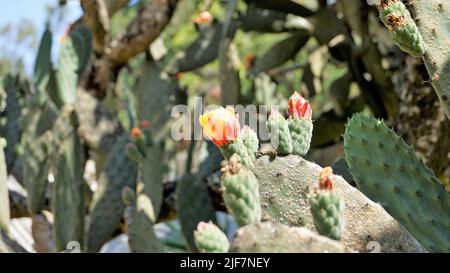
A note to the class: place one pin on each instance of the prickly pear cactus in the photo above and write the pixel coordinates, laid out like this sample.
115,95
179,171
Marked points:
141,235
43,62
286,182
404,30
68,195
37,143
73,59
11,129
210,239
240,192
394,176
274,237
327,207
194,203
106,209
4,197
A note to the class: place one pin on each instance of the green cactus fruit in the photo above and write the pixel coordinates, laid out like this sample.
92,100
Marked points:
68,192
327,207
251,141
388,171
241,192
405,33
73,59
106,209
210,239
4,197
301,134
134,153
237,147
279,133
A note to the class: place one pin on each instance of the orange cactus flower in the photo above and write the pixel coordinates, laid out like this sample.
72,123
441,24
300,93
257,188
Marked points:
136,133
221,125
249,61
299,107
326,179
204,17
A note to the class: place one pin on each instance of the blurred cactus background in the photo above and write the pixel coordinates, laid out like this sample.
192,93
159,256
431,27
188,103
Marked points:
88,162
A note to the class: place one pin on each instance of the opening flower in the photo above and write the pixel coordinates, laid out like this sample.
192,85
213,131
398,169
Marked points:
221,125
326,179
299,107
203,18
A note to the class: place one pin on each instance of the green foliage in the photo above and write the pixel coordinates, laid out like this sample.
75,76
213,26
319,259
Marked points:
210,239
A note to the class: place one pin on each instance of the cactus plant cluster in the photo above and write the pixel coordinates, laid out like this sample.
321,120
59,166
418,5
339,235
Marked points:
105,104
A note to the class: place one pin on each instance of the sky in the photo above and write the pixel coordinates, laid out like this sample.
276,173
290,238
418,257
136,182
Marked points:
13,11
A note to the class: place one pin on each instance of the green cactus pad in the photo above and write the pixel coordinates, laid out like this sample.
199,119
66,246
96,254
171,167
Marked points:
4,197
327,210
301,134
403,28
194,203
107,207
241,194
389,172
150,179
43,62
251,142
73,59
210,239
285,184
68,195
141,235
279,132
36,141
275,237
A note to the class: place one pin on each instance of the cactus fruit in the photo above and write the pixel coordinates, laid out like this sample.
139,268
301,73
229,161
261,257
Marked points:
285,183
275,237
327,208
68,195
394,176
222,127
141,235
106,209
405,33
4,197
210,239
240,192
251,141
279,133
300,124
